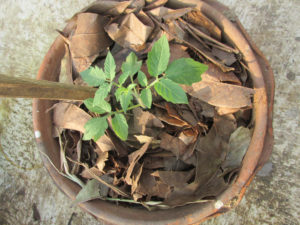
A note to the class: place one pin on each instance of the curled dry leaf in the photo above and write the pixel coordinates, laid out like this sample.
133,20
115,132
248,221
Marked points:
88,40
69,116
107,7
164,116
215,74
221,94
133,158
155,4
198,18
130,33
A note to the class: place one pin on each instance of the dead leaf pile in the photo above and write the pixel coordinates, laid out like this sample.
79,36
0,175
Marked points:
175,154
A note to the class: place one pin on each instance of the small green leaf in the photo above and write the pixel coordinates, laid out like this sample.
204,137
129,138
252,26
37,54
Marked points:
124,96
171,91
142,79
123,77
119,92
120,126
110,67
185,71
158,57
146,97
93,76
131,65
96,109
100,95
95,128
125,100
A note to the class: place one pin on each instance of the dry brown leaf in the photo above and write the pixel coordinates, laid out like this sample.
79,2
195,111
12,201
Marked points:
173,144
149,187
215,74
102,158
225,57
107,7
69,116
133,158
221,94
87,175
136,174
174,178
196,17
178,51
163,116
143,121
160,11
88,40
155,4
131,32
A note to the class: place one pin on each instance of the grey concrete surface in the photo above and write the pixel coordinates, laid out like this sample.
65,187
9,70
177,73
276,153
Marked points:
27,28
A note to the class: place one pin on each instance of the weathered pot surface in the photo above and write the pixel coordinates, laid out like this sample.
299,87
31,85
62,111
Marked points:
258,152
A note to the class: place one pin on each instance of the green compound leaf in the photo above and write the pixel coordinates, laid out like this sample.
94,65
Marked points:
131,65
124,96
120,126
158,57
142,79
100,95
185,71
171,91
93,76
146,97
95,128
110,67
90,106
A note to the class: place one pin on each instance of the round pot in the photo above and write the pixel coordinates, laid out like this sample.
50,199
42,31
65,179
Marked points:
257,154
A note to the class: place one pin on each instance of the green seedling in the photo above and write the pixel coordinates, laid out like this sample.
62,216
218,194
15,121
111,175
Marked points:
165,79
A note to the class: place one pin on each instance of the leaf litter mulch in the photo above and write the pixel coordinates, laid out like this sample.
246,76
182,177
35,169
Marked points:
175,154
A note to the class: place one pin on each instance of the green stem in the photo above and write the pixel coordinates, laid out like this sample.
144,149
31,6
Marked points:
154,82
129,108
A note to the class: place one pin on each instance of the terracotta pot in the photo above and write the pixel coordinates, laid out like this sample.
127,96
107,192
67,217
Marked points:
258,152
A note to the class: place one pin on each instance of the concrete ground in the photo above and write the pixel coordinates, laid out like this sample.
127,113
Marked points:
28,195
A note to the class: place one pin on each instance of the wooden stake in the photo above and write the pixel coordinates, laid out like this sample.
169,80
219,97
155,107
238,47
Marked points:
13,87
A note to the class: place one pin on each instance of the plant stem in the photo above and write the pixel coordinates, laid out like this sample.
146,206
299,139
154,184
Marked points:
154,82
129,108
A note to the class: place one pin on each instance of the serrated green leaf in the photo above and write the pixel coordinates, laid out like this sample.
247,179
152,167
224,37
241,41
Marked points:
119,92
171,91
93,76
100,95
124,96
96,109
146,97
185,71
142,79
158,57
123,77
125,100
131,65
120,126
95,128
110,66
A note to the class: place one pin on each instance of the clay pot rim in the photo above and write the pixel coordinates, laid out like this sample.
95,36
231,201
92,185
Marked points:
189,214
